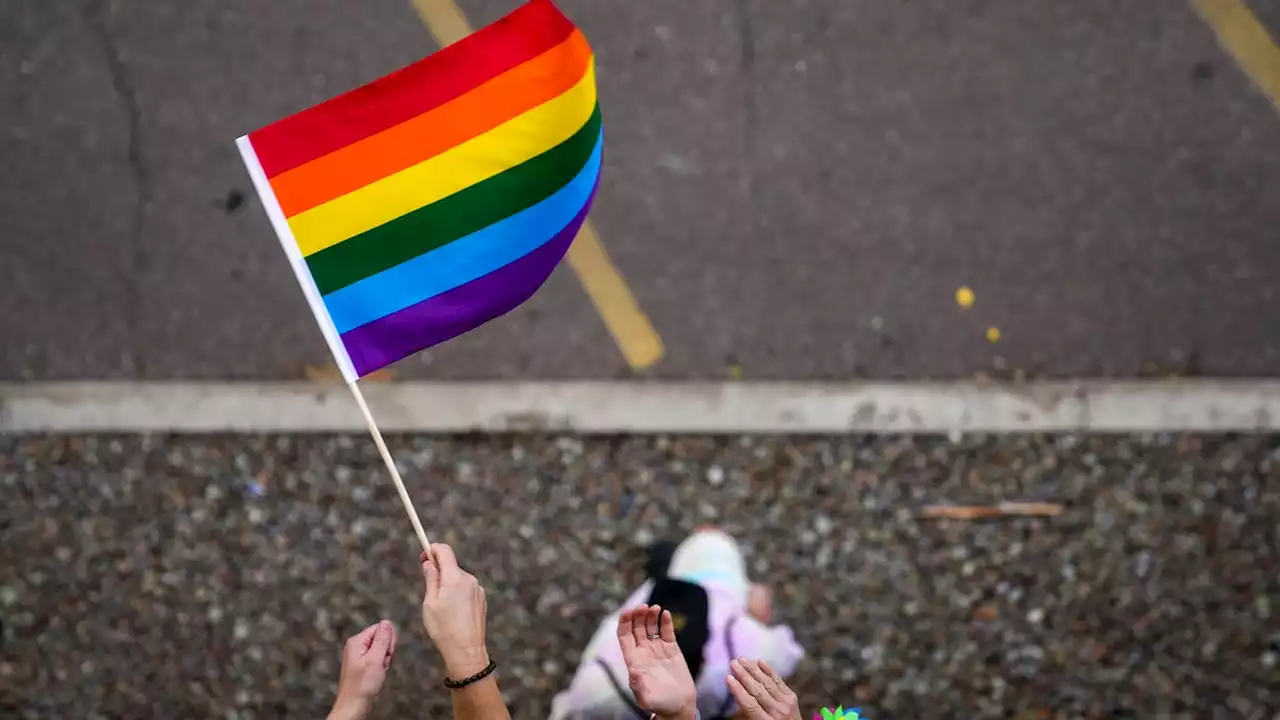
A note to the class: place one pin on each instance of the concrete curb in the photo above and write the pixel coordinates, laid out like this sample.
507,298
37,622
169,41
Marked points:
646,407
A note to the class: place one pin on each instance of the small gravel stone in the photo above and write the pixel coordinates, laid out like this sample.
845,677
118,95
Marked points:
823,525
715,475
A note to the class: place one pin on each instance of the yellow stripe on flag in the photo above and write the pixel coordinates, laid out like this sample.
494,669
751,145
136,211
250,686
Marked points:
510,144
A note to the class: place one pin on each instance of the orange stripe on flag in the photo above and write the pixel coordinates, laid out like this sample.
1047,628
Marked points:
516,91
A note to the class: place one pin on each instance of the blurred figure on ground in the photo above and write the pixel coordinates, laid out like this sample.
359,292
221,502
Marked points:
716,615
453,613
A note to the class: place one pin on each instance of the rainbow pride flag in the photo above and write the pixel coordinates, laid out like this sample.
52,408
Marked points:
432,200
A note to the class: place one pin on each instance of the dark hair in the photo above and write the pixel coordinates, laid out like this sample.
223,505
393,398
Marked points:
688,605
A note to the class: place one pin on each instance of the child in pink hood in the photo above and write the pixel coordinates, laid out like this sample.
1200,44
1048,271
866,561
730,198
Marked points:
718,616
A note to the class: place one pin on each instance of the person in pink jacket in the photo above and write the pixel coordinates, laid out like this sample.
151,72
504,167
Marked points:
717,615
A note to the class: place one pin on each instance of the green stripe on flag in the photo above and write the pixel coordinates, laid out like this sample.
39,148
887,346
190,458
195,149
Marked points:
456,216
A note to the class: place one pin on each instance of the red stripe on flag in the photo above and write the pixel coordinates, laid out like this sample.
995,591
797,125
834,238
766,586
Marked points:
526,33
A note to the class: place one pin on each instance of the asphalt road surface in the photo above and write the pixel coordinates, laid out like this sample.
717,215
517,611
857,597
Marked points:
794,189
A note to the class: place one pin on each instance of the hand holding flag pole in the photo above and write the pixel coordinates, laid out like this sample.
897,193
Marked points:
437,198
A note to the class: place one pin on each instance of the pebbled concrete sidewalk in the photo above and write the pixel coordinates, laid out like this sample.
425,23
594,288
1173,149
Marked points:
149,576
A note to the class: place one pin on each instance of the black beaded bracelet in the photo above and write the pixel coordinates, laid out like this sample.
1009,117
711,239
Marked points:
455,684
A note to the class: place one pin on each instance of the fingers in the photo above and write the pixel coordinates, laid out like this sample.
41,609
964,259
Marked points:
742,671
775,687
430,574
446,561
652,617
637,625
625,637
739,669
380,645
359,643
773,675
391,650
743,698
668,627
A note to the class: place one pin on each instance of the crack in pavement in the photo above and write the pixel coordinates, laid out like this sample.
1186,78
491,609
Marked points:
747,63
96,18
750,119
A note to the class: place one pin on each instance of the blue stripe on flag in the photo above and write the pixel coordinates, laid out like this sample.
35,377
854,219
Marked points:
465,259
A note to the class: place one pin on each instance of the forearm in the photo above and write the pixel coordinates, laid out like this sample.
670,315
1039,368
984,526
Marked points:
480,701
344,709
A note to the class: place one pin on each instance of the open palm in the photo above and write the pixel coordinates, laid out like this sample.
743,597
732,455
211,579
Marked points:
658,673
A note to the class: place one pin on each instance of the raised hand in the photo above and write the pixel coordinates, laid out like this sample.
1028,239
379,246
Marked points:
365,660
657,671
760,692
454,612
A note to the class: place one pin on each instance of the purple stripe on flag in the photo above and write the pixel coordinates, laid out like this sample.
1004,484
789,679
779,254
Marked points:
466,307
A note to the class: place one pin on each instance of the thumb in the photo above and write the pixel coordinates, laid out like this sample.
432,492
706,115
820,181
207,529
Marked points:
381,639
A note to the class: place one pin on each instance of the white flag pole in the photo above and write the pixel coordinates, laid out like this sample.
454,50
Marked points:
391,467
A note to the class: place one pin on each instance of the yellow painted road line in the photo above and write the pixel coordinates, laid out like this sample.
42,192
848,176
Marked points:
1247,40
444,19
630,327
609,293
